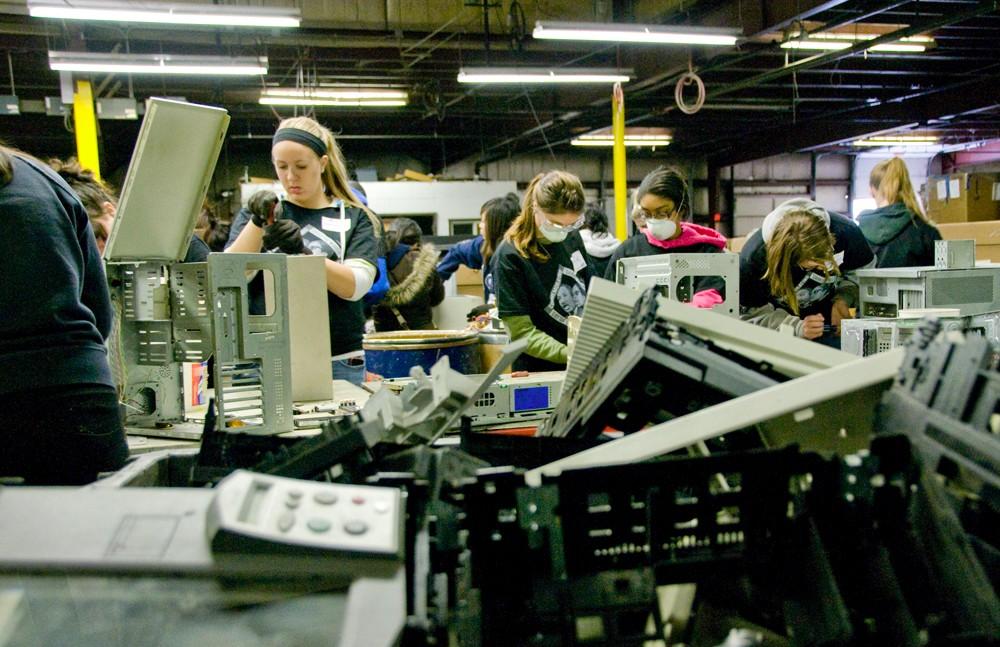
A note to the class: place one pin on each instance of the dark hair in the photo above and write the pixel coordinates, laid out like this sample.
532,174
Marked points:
405,231
217,237
92,192
595,219
666,183
498,214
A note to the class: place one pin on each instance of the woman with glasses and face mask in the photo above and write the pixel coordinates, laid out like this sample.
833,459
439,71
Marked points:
661,205
541,270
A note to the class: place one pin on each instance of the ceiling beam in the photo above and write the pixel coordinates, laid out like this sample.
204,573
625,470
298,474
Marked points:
965,96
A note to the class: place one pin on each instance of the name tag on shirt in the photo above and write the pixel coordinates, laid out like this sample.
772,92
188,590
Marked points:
838,258
336,225
578,262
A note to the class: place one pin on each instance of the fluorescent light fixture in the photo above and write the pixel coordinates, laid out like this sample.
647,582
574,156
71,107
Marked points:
174,14
343,103
898,140
346,93
157,64
634,138
829,41
624,33
541,75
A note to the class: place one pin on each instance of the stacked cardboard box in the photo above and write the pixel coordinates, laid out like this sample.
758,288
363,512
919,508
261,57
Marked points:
469,281
986,234
963,197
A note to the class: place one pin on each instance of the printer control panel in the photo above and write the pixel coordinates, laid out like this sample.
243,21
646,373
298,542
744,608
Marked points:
261,513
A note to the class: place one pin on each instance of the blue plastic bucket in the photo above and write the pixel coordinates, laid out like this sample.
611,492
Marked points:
392,354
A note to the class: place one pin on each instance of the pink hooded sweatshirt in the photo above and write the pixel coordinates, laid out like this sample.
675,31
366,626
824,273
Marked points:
692,234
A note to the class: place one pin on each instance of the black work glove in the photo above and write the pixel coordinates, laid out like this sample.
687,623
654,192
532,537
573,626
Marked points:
261,206
284,235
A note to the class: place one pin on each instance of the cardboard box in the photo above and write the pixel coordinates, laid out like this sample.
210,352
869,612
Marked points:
468,276
986,234
963,197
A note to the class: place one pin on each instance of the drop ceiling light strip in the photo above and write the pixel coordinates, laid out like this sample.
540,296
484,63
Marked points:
542,75
157,64
622,33
351,93
175,14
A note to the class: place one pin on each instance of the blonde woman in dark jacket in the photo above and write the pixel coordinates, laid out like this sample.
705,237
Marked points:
898,231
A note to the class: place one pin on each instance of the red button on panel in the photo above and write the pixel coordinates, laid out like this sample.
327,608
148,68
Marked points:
357,500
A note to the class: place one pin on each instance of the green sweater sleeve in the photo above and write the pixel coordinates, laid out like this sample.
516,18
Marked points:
540,345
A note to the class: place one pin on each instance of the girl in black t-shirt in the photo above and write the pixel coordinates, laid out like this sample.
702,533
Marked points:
541,269
320,215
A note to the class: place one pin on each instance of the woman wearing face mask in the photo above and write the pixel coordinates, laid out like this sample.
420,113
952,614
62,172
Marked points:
661,204
321,215
541,270
898,231
792,270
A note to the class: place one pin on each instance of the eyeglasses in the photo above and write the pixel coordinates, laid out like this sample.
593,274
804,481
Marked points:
660,214
573,226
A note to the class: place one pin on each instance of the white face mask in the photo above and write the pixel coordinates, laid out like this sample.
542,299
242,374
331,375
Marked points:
552,233
661,229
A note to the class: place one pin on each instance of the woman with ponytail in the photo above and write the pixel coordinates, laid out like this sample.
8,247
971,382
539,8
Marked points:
792,270
661,206
59,417
897,230
541,269
320,215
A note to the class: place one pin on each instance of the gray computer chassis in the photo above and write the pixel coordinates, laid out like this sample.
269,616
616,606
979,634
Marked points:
674,275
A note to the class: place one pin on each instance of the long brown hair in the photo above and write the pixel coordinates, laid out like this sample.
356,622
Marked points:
891,180
336,182
798,238
554,192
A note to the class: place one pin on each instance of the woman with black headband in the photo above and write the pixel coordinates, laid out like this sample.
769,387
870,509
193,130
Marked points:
319,215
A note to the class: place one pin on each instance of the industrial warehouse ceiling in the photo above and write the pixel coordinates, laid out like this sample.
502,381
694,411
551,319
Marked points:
761,99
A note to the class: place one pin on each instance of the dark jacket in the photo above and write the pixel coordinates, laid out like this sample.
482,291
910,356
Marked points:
899,237
415,288
55,308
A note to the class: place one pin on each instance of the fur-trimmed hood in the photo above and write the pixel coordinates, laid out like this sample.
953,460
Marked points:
412,275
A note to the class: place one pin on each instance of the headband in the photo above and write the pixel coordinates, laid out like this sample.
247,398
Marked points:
787,207
299,136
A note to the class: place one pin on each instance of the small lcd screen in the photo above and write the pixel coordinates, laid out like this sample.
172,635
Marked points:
531,397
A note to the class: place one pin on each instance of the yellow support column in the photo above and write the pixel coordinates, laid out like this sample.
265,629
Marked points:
620,179
85,127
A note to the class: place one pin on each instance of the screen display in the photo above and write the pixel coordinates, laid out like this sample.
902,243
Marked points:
530,398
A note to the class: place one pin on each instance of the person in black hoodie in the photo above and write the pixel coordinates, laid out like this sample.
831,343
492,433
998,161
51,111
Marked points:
898,231
415,287
792,271
59,418
661,204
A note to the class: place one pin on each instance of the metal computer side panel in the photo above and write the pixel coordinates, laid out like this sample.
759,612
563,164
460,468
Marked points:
884,292
832,409
973,291
141,348
671,270
252,352
191,312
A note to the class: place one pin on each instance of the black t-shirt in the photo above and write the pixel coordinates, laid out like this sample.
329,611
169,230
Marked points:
548,292
639,245
850,251
324,233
